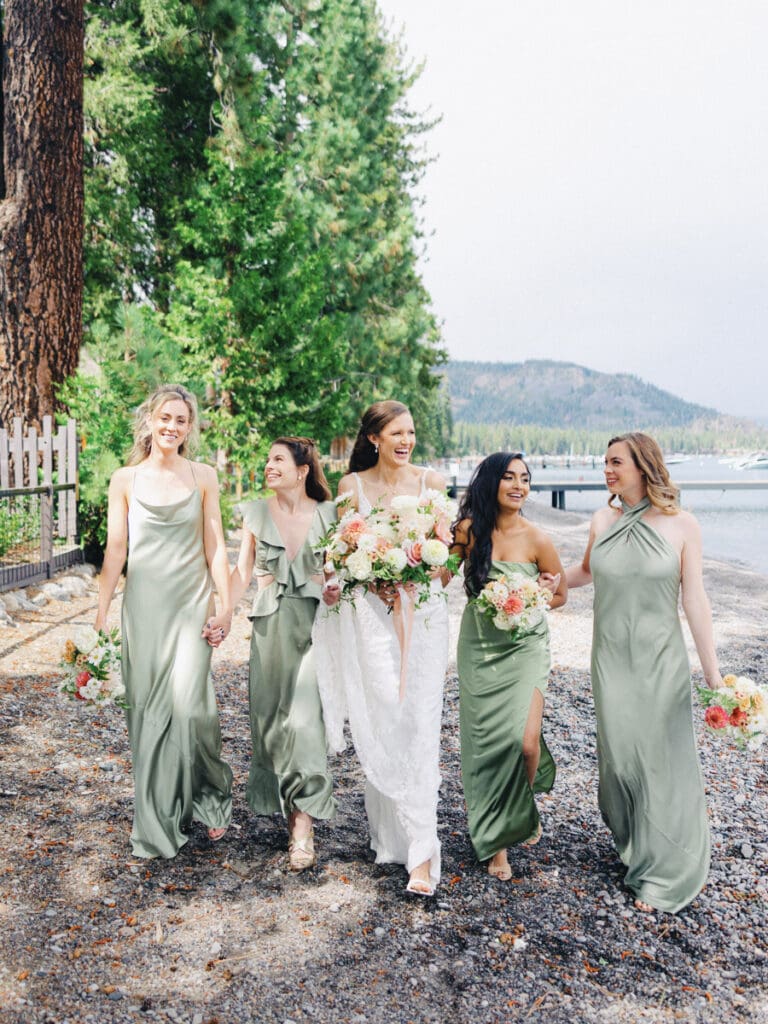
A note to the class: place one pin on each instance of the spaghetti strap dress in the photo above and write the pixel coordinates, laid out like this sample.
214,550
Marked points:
498,673
288,764
397,741
651,792
173,722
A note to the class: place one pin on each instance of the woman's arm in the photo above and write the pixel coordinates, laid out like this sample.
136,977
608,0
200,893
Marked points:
549,564
581,575
695,601
242,574
117,544
215,554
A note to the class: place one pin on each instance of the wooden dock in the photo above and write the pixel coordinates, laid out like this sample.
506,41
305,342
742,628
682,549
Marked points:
560,487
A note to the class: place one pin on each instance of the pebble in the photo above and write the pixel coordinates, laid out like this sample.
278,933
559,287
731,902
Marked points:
747,850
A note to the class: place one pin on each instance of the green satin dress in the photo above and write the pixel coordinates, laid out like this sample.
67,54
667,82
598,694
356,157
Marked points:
288,765
498,673
651,791
173,723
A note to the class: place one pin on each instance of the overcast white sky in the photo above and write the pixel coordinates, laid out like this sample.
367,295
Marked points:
601,189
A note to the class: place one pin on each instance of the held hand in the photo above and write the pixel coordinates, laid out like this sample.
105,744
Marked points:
216,628
549,581
331,591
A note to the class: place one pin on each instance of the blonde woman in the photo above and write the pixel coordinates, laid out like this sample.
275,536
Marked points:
164,514
641,553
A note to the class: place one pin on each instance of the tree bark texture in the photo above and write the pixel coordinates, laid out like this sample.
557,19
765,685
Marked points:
41,213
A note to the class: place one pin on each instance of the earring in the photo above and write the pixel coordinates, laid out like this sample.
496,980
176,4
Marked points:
376,448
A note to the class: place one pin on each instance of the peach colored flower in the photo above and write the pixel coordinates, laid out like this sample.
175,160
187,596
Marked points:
412,549
443,531
70,652
729,681
513,605
716,717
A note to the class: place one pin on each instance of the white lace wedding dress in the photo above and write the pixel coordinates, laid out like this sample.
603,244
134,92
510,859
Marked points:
357,656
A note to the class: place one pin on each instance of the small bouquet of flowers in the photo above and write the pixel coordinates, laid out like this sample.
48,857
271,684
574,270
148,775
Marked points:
738,709
91,668
516,602
404,544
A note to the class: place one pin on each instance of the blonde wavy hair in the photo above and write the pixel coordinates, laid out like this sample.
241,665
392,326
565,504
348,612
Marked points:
649,459
142,431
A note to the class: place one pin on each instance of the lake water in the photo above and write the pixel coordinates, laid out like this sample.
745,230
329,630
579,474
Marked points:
734,524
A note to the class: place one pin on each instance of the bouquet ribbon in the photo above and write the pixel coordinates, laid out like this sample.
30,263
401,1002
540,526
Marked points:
402,619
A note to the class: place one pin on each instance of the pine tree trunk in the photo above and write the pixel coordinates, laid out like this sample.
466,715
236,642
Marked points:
41,213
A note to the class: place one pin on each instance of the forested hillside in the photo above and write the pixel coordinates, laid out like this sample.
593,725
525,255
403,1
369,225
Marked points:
554,394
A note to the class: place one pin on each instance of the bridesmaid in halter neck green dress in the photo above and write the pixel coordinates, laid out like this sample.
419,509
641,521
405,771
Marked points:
288,772
164,510
651,792
502,674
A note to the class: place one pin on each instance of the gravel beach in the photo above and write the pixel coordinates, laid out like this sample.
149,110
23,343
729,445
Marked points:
224,933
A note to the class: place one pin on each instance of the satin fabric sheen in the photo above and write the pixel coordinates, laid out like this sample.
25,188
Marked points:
651,791
173,722
498,673
288,764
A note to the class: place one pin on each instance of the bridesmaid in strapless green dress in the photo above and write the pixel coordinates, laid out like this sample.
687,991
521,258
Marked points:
288,771
651,792
166,509
502,674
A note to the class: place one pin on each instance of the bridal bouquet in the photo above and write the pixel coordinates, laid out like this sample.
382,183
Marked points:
516,602
91,668
738,709
405,543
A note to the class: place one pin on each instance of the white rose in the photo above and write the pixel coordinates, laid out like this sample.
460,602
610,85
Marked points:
85,639
395,559
404,502
434,552
359,565
367,543
91,690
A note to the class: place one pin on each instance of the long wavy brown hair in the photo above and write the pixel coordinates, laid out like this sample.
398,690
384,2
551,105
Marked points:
304,453
375,418
142,431
649,459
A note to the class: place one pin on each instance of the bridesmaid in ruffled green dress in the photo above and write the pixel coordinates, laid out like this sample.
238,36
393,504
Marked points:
288,772
639,555
502,674
164,513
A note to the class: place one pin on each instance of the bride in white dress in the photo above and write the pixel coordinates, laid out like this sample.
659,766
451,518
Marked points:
358,666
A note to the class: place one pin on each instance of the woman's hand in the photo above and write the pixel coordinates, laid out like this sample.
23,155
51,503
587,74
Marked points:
331,591
550,581
217,628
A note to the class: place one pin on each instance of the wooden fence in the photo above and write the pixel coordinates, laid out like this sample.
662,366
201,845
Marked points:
38,501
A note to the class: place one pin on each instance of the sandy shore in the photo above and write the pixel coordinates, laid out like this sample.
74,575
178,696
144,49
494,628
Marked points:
225,934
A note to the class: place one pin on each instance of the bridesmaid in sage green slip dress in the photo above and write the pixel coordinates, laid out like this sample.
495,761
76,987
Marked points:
164,510
288,772
651,792
502,675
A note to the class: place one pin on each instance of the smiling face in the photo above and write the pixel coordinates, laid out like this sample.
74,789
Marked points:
281,472
396,440
622,475
170,426
514,486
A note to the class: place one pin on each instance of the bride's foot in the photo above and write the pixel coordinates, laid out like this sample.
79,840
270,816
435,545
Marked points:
498,866
301,842
419,881
215,834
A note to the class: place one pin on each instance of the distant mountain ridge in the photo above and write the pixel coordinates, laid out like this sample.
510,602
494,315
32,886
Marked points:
555,394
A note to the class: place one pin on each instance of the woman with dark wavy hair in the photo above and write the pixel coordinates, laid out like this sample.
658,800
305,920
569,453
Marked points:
502,674
288,772
641,553
396,736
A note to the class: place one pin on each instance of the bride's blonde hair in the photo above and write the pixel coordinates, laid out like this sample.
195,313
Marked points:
142,431
649,459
